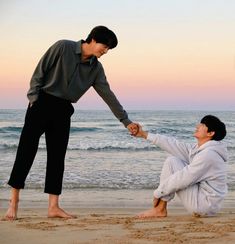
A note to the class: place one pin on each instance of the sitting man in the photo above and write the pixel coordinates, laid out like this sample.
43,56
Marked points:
196,173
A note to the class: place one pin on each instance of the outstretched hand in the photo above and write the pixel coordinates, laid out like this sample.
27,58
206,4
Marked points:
137,130
141,132
133,128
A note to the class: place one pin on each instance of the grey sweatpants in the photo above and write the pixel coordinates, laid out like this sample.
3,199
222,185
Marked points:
188,196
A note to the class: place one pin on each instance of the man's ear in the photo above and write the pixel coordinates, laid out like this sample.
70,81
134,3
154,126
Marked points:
211,133
93,40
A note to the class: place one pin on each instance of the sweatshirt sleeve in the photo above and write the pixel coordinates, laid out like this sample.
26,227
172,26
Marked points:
103,89
45,63
189,175
171,145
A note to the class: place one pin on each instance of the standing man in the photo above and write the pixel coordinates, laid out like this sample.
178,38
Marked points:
65,72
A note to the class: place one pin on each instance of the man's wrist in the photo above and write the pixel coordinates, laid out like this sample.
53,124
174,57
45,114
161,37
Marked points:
145,134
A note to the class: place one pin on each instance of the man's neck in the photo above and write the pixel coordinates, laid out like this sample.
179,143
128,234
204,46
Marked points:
202,141
86,52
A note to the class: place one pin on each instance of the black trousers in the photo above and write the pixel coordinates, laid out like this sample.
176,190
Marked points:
49,115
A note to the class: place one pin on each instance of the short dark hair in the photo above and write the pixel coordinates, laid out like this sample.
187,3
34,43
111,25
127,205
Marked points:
102,34
214,124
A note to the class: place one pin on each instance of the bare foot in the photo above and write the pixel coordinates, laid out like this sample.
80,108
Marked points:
153,213
11,213
197,215
56,212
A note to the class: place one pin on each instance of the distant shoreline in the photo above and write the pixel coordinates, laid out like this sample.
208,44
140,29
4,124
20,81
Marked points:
144,109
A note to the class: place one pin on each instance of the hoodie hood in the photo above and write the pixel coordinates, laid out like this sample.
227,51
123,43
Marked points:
217,146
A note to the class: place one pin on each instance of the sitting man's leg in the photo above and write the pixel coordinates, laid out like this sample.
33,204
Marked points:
189,198
170,166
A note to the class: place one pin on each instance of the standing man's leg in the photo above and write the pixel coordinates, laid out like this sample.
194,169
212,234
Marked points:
26,151
57,136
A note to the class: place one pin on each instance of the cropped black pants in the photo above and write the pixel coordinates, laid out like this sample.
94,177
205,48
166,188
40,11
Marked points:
49,115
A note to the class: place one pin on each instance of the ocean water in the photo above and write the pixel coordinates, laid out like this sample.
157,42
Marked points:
103,157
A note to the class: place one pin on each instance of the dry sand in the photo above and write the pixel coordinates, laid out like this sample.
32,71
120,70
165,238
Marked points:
117,226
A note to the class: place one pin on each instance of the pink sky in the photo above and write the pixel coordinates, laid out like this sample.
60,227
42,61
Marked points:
166,58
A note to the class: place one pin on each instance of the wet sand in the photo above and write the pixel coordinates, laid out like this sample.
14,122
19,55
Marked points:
117,225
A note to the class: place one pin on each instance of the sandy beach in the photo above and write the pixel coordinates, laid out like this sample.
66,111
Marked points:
112,225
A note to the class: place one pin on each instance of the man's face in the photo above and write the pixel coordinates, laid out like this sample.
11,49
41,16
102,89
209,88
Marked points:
99,49
201,132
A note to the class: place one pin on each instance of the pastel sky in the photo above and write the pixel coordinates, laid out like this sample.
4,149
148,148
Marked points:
172,54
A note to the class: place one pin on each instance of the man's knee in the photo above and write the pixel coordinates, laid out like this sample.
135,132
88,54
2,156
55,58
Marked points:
175,163
171,159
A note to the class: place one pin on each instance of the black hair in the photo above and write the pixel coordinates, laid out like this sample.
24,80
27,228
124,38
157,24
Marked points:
102,34
214,124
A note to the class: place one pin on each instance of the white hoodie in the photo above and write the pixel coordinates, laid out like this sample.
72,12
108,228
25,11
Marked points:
206,167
